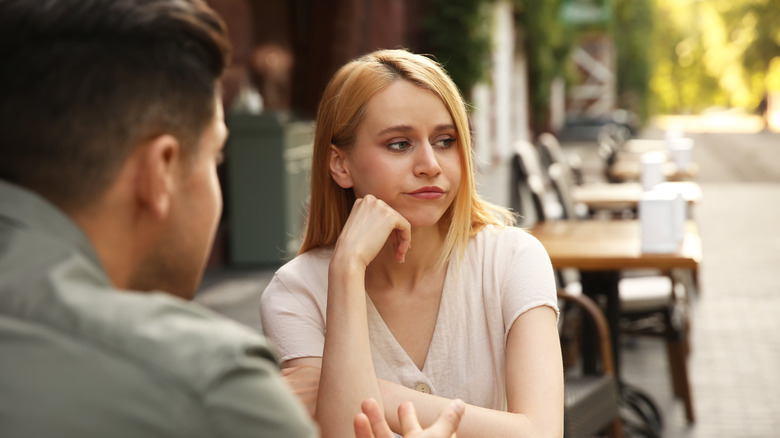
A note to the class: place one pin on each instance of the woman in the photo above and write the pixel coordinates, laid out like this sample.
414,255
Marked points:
427,292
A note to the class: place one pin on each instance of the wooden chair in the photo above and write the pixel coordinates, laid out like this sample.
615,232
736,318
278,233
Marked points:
550,152
591,402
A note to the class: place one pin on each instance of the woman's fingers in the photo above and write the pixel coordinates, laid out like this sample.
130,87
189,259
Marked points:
370,224
402,242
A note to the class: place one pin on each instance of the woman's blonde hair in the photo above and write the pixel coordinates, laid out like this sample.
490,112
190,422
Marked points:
340,114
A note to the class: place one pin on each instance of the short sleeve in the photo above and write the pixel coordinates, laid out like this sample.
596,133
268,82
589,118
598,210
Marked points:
293,309
528,280
249,399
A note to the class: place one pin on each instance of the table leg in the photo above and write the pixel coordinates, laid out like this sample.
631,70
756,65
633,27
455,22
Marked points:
602,287
598,284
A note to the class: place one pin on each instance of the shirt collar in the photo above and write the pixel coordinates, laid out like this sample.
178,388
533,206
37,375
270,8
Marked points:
25,209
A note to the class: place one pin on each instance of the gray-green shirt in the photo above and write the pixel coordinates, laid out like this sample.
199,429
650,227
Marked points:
79,358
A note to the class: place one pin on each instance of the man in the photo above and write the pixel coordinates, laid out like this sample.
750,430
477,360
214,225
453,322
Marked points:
110,134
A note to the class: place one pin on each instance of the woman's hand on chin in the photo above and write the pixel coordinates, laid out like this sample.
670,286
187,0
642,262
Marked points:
371,222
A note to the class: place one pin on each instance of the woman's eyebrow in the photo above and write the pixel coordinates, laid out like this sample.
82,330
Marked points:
445,127
404,129
396,128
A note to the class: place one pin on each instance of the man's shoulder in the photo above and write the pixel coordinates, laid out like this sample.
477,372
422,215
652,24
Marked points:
159,336
182,340
169,362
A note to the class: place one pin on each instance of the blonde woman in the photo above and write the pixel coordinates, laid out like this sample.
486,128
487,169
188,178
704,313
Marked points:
408,286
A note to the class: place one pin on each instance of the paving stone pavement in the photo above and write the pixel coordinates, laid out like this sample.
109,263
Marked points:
734,364
735,358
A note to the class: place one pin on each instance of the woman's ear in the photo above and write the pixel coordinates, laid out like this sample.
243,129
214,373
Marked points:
338,167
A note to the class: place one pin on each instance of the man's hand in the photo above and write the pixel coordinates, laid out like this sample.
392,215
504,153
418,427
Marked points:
372,424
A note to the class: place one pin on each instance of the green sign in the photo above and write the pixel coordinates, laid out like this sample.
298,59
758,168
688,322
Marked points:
584,12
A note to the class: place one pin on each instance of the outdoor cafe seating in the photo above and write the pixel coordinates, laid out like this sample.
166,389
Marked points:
643,293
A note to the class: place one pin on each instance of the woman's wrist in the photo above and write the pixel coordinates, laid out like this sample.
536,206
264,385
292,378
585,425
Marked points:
345,267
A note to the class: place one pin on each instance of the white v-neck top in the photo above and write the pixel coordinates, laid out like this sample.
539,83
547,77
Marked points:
504,272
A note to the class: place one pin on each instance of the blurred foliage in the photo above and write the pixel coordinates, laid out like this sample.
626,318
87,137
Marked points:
458,35
673,56
548,43
633,32
713,53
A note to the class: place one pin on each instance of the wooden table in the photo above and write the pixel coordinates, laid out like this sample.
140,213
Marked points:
620,196
629,168
600,249
642,145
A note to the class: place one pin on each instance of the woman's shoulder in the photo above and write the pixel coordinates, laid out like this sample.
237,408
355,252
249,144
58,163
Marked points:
504,235
305,270
314,259
505,243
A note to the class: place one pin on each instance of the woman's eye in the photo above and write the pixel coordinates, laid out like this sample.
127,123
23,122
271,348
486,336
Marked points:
399,145
445,143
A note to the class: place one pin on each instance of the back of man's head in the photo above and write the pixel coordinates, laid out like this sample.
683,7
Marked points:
84,81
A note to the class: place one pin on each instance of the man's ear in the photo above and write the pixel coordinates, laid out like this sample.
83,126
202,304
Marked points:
158,167
338,167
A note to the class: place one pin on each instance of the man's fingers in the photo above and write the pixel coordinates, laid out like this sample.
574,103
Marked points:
362,426
375,418
449,419
407,415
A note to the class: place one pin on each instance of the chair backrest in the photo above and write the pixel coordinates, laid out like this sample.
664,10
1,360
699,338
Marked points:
562,184
528,190
551,152
550,149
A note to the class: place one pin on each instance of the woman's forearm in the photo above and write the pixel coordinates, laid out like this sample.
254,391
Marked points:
477,422
348,375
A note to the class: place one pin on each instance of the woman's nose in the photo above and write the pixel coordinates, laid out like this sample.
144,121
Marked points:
426,162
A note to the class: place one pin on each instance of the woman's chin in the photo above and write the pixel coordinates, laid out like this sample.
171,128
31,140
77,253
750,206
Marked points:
423,223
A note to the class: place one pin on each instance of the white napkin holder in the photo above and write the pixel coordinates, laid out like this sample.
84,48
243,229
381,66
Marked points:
662,216
652,169
675,130
680,150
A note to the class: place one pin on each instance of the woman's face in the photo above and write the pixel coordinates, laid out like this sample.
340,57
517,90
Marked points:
406,154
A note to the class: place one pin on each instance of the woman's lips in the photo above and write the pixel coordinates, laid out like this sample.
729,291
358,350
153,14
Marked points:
429,192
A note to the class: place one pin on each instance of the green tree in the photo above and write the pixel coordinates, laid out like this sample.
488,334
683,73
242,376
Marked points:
758,19
688,66
633,35
548,43
458,35
715,52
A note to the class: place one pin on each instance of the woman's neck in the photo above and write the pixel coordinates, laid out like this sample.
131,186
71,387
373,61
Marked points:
422,260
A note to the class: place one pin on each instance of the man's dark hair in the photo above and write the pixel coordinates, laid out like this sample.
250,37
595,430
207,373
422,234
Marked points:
83,81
